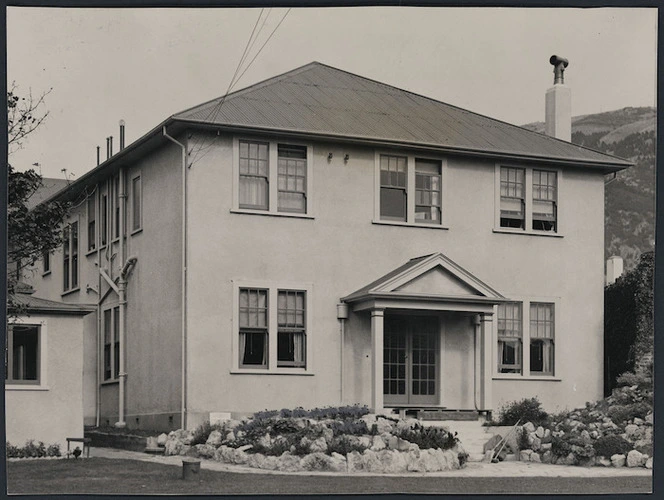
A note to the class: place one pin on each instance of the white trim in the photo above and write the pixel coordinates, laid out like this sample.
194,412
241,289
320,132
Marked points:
42,324
273,177
273,288
528,199
410,189
525,301
135,176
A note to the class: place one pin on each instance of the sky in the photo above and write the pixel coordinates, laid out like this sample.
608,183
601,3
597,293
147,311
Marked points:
143,65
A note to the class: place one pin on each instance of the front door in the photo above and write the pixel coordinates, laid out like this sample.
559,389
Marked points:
410,360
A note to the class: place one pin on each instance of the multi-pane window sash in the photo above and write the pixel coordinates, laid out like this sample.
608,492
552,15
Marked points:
112,343
136,203
544,200
393,192
512,201
253,327
46,260
292,178
542,335
510,334
70,257
291,337
116,206
22,356
427,192
92,223
254,175
104,220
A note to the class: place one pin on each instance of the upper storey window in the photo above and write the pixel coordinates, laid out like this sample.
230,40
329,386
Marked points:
409,190
272,178
527,200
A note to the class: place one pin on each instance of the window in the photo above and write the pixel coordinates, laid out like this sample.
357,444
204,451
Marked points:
544,200
104,219
116,206
136,212
510,333
22,355
254,175
427,192
111,343
291,337
272,327
70,257
46,261
92,216
292,179
253,327
393,192
541,338
512,195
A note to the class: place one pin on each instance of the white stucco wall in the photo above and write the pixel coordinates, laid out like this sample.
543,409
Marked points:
53,410
341,250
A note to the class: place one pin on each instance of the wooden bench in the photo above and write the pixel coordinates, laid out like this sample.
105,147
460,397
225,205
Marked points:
84,440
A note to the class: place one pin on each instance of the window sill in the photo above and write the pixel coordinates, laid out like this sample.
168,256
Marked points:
67,292
46,273
26,387
91,252
273,214
280,371
136,231
409,224
542,378
505,230
110,382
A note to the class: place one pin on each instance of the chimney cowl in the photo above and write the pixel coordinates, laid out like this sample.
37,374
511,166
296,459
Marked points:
559,65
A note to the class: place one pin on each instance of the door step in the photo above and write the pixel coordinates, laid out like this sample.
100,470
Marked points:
459,415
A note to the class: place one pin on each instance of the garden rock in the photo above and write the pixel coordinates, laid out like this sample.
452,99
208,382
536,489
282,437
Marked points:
492,443
539,432
230,437
161,439
214,439
536,444
649,463
546,446
173,447
535,457
328,435
402,445
205,450
529,427
377,444
392,461
524,455
383,425
632,431
316,461
635,459
649,419
618,460
289,463
392,442
318,446
603,461
365,441
265,441
355,462
547,457
639,421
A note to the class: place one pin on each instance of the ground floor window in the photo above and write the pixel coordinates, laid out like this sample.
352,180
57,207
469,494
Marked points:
22,356
510,333
272,327
111,343
541,338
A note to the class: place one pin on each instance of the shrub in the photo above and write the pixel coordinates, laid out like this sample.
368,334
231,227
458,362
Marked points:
429,437
33,450
331,412
522,441
643,381
202,432
262,415
527,410
349,427
622,413
53,450
607,446
344,445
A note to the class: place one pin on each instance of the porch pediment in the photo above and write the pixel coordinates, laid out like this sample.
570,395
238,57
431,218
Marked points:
431,278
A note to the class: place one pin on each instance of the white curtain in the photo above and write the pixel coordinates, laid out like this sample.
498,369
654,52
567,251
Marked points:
298,347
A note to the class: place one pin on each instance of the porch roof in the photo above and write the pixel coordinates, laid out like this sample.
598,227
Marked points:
432,279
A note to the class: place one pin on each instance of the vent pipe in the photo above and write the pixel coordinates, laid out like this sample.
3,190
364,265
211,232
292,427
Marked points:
110,145
558,104
108,148
98,155
122,134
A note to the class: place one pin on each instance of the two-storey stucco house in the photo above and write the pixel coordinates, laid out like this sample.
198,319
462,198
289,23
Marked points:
319,239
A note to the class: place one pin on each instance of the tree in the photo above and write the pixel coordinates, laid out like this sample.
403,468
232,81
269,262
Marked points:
31,232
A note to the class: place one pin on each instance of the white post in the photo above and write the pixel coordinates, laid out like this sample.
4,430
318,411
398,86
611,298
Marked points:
377,322
487,360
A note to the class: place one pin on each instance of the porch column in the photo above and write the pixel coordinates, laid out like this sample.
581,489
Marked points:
486,320
377,321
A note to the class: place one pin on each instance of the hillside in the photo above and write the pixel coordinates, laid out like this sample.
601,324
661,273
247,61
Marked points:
630,198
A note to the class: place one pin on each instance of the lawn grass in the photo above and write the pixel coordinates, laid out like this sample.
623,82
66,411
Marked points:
119,476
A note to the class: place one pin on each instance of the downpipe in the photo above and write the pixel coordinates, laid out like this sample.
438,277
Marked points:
183,382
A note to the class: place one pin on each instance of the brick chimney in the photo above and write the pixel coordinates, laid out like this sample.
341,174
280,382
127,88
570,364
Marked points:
558,111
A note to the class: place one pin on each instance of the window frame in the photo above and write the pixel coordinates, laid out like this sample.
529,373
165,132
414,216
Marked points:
550,340
92,241
9,358
273,366
104,211
411,160
558,345
113,313
272,208
74,254
46,263
510,338
528,200
134,228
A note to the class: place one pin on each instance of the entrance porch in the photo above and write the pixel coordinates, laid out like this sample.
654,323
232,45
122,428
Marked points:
431,338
